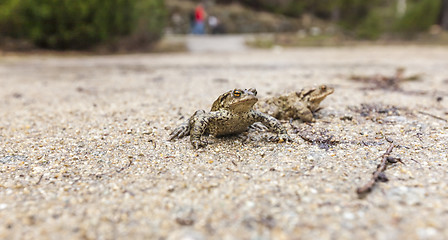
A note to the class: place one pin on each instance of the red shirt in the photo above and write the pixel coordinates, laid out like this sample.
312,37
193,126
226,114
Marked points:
199,13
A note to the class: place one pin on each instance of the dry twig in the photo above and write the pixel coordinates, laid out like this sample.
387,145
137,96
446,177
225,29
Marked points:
40,179
387,82
379,174
318,137
125,167
432,115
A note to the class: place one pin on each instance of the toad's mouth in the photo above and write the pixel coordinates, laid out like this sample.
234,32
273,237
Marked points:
245,101
321,96
244,104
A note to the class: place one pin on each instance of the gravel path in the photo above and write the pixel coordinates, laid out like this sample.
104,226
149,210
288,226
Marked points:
216,43
84,153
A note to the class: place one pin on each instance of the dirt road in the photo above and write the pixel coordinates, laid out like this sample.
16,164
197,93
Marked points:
84,153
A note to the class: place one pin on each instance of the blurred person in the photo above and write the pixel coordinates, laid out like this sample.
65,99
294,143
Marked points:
215,25
200,15
192,18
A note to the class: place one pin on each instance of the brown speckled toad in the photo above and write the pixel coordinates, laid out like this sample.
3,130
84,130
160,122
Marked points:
231,113
296,105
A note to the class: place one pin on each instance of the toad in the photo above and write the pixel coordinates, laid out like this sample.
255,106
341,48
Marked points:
296,105
231,113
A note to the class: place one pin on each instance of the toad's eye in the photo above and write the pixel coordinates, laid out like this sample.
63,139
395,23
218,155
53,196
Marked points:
237,93
323,87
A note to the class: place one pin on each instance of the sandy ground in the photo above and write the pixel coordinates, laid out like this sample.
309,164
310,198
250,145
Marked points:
84,153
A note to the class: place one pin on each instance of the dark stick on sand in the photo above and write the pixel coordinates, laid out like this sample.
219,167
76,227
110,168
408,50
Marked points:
378,175
432,115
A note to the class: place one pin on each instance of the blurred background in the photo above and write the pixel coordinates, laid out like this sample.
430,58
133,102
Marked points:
151,25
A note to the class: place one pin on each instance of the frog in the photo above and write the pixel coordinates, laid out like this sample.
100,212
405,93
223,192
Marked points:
296,105
231,114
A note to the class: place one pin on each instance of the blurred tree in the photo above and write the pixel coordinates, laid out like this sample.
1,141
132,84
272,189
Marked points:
365,19
444,15
401,7
419,16
67,24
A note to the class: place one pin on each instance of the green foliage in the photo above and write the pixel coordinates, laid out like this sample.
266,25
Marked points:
377,22
149,19
292,8
367,19
383,18
8,20
69,24
370,28
420,15
353,13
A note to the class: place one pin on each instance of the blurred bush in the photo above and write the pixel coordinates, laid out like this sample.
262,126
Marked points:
291,8
420,16
80,24
360,18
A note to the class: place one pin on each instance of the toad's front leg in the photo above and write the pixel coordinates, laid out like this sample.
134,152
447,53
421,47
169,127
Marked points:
198,124
273,125
180,131
304,113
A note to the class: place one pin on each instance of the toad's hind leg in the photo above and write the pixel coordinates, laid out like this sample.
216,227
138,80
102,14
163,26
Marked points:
273,124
